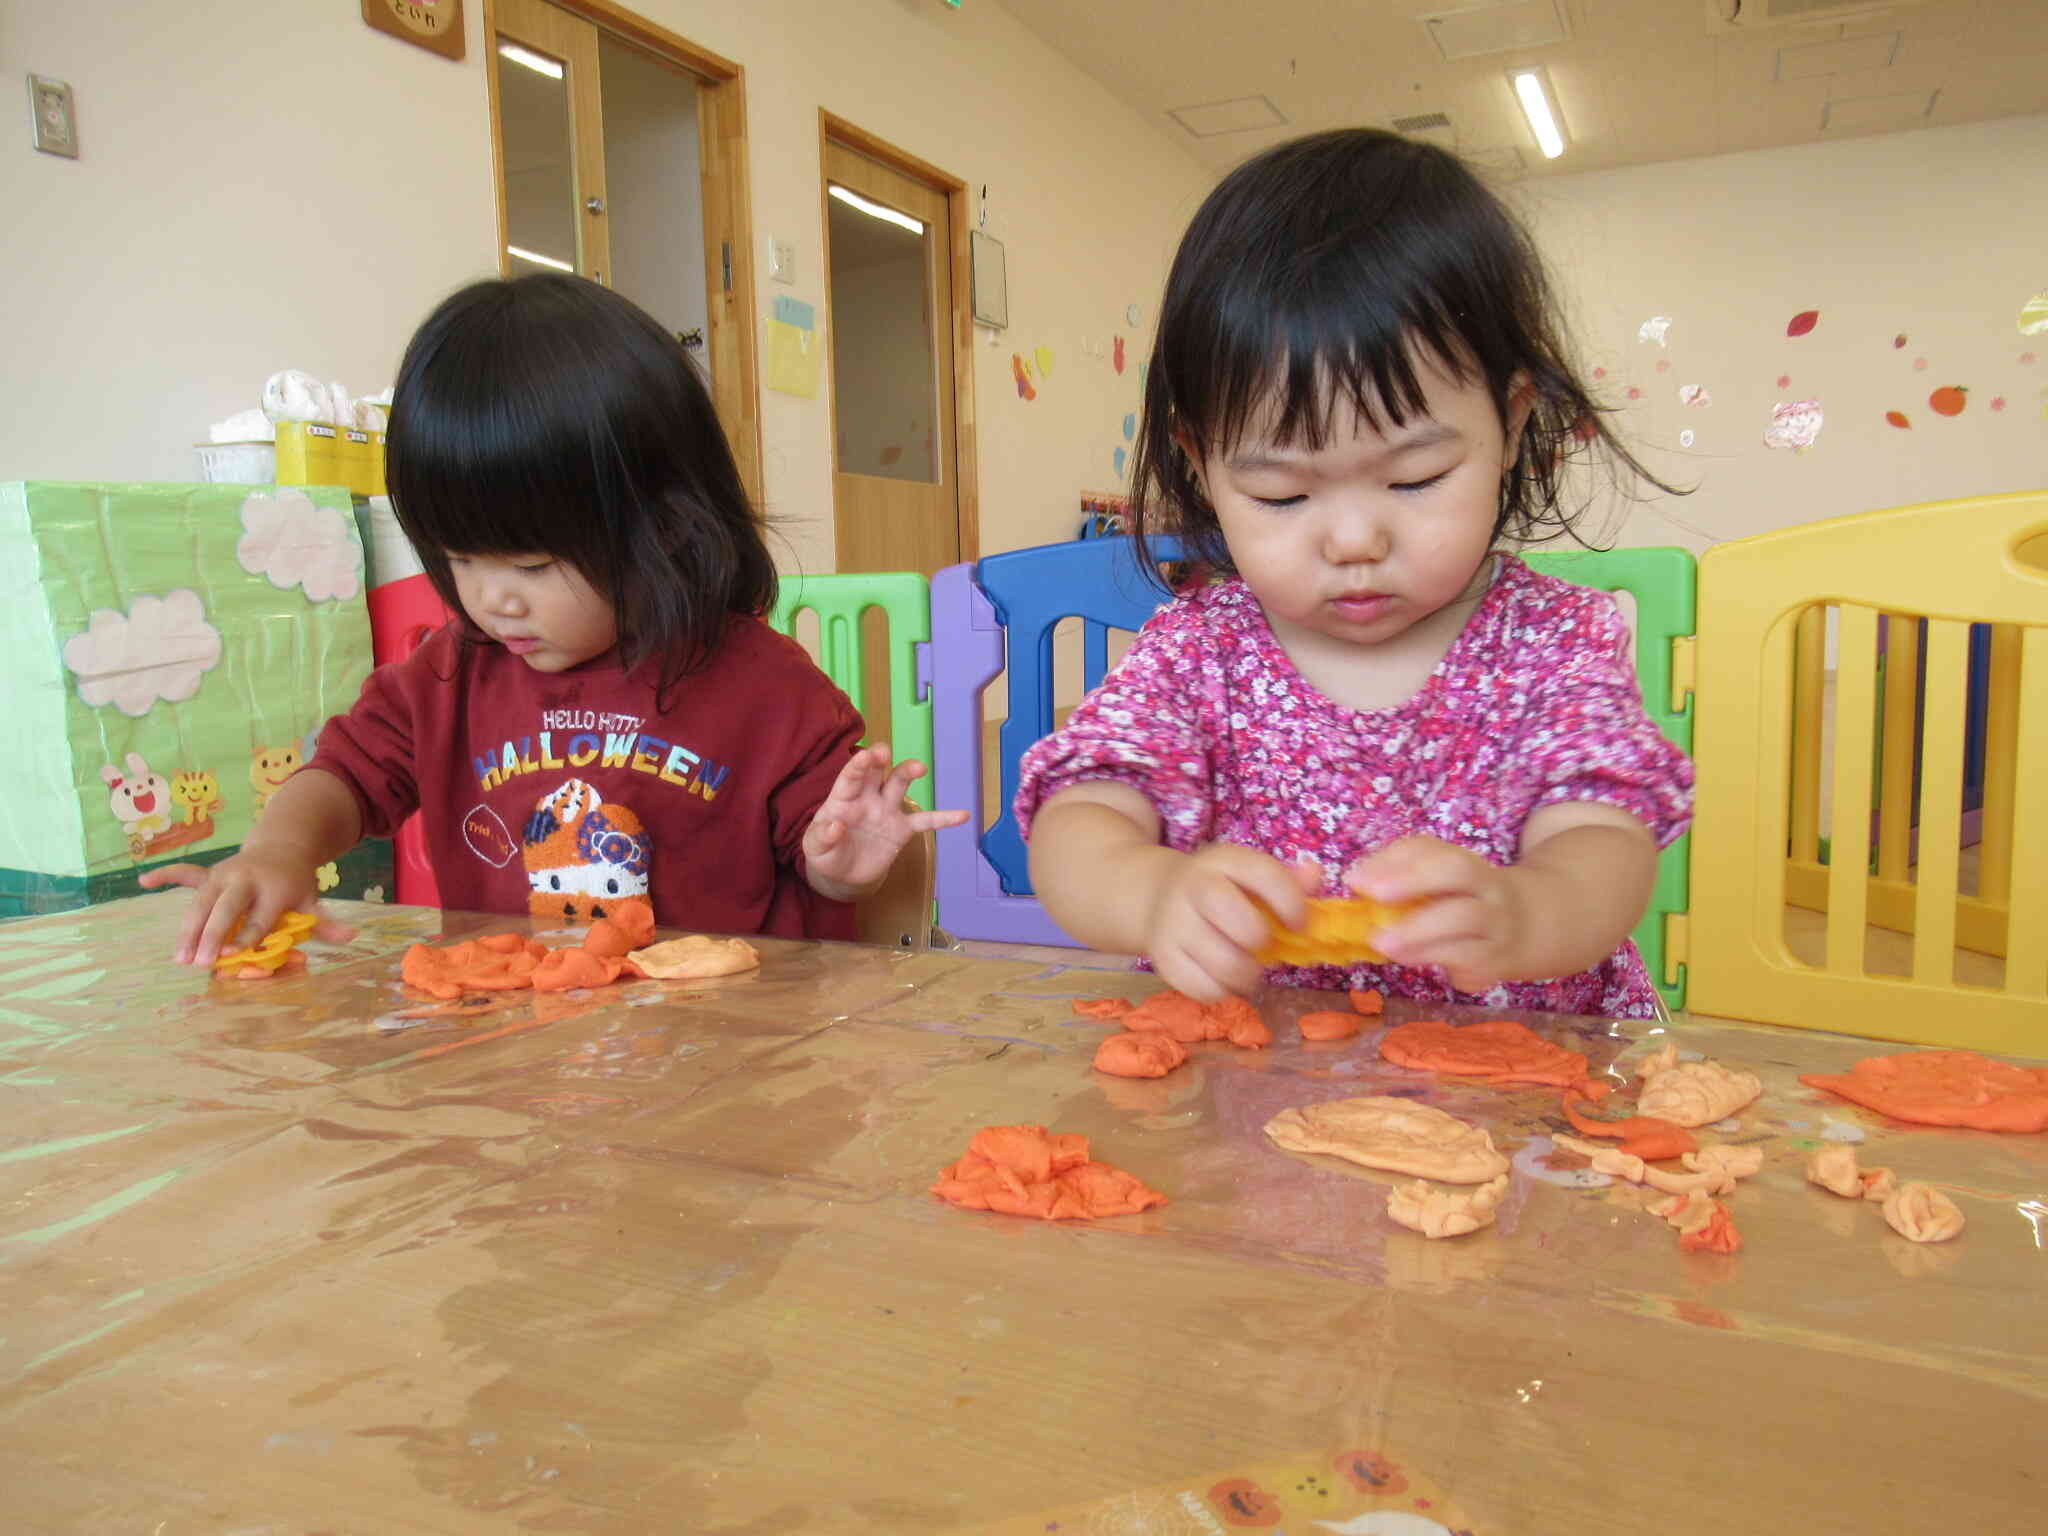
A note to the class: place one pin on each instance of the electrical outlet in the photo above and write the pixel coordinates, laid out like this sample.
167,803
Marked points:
53,116
782,260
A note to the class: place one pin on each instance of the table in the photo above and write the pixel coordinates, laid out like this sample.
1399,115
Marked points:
275,1257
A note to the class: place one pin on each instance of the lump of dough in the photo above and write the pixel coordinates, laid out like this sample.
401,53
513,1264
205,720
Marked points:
1446,1212
1330,1024
1339,930
1139,1054
695,958
1921,1213
1692,1093
1833,1168
1399,1135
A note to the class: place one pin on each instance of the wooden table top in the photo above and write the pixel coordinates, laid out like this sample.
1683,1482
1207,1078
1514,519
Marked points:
278,1257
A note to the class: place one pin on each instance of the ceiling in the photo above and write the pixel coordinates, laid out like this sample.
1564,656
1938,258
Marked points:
1636,81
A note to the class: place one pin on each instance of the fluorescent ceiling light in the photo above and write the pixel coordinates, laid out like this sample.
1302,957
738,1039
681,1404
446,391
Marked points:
539,260
1532,89
876,210
533,61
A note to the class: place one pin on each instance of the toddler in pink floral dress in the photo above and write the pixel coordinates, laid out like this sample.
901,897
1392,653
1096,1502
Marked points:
1356,397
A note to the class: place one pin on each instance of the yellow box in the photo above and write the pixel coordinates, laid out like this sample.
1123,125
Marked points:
313,453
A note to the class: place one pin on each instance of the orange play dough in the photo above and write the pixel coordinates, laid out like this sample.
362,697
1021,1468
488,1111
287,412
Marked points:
1331,1024
1102,1007
629,926
1500,1050
562,969
1446,1212
1946,1088
1135,1054
498,962
1716,1235
1180,1016
1642,1136
1399,1135
1368,1000
1021,1170
1339,930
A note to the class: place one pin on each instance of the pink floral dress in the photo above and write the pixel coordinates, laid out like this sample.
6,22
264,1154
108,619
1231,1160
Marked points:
1536,702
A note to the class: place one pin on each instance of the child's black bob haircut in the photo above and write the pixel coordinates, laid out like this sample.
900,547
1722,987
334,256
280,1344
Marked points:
1316,271
548,415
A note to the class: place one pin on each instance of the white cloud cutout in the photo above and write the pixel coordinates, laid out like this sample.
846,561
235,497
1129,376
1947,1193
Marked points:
159,649
292,542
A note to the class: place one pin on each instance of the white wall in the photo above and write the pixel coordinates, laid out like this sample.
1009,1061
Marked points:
1938,235
298,190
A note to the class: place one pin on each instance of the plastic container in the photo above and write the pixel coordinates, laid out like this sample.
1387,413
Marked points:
237,463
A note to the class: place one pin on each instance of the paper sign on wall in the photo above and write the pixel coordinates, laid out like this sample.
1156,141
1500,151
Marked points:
793,349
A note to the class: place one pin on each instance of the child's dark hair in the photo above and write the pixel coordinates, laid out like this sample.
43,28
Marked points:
548,415
1314,272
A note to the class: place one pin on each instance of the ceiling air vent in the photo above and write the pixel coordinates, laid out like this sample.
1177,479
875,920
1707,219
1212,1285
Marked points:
1749,15
1422,122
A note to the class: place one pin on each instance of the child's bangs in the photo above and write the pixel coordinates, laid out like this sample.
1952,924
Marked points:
497,474
1281,370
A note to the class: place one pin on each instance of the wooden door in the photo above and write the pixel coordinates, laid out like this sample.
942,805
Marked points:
891,322
554,204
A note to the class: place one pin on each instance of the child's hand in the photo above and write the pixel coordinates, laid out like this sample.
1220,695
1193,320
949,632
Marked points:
1478,923
259,885
863,824
1204,927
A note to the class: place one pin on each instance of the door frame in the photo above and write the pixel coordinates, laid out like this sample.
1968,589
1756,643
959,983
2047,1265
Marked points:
959,331
725,187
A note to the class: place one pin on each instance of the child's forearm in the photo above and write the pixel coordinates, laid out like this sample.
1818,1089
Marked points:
1096,865
312,817
1587,886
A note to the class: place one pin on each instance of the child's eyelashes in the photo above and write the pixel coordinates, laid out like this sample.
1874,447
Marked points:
1412,486
1279,501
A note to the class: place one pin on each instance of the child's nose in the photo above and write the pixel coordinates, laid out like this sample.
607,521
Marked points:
1355,532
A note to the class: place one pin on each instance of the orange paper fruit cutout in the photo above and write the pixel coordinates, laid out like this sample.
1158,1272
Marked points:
1945,1088
1898,419
1802,323
1949,400
1242,1502
1499,1049
1023,1170
1370,1472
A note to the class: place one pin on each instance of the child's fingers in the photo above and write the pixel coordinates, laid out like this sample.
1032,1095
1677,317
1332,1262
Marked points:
190,876
900,779
1432,935
220,924
1308,874
1415,868
932,821
330,930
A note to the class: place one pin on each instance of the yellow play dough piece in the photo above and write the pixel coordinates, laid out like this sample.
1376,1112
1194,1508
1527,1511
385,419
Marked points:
1339,931
268,954
696,957
1395,1134
1446,1212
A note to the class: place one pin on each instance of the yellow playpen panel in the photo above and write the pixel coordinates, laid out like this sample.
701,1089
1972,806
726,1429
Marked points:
1838,895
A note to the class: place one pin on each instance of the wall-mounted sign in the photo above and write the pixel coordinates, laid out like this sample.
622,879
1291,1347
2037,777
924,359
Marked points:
435,25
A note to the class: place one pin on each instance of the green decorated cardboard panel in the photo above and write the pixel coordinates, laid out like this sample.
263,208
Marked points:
170,653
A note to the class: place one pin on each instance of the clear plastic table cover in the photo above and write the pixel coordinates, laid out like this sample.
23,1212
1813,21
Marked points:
313,1255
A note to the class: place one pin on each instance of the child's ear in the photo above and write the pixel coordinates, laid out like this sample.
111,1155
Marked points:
1520,403
1198,468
